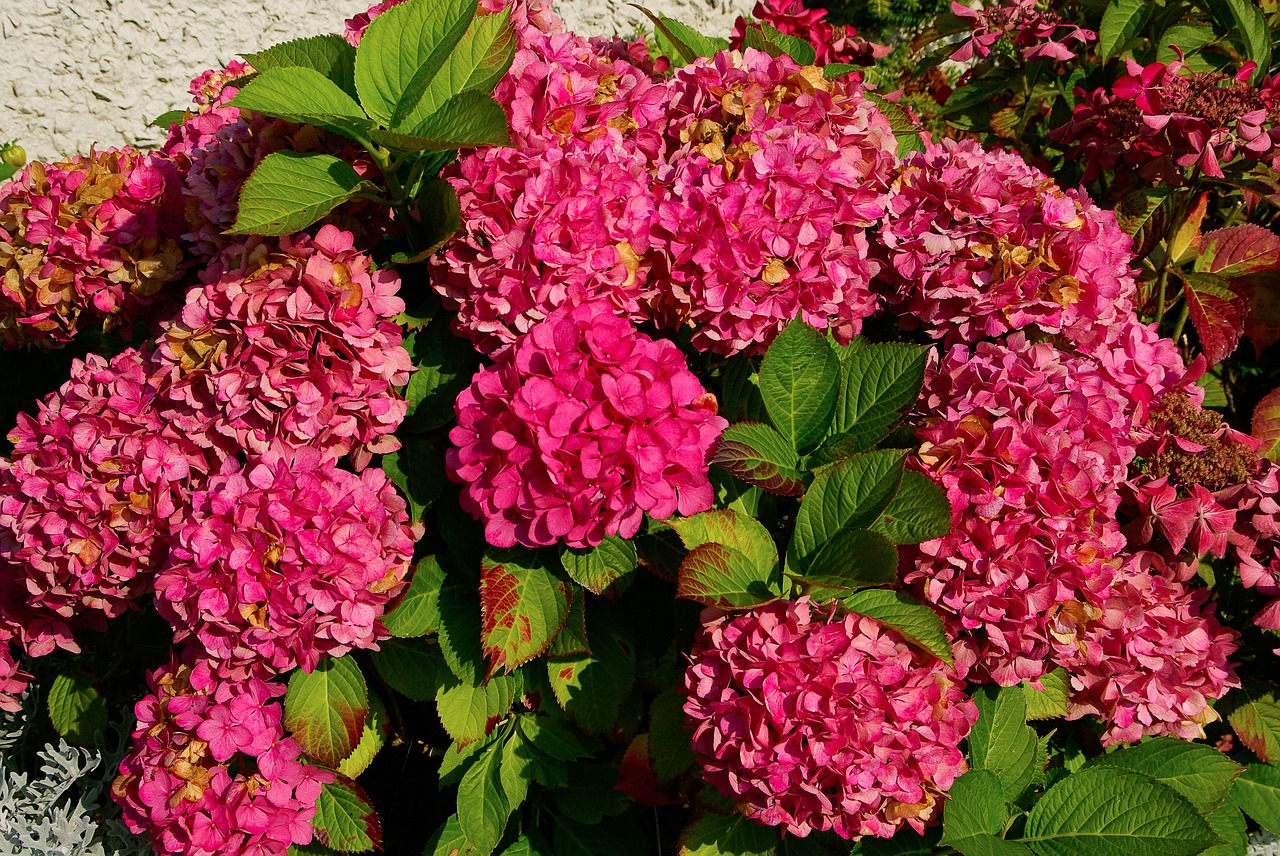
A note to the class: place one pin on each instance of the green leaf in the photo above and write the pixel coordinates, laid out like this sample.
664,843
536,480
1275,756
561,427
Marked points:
1189,38
471,118
591,687
577,839
76,708
345,820
1255,716
331,55
371,740
1121,22
740,399
528,844
918,512
468,713
448,840
1200,773
460,629
1001,741
163,121
1051,701
523,605
1105,811
417,469
1254,34
553,737
1228,824
289,191
441,213
760,456
905,129
305,97
597,568
731,562
687,42
1257,791
877,386
572,638
483,808
849,494
796,48
670,751
836,70
975,817
444,366
326,709
412,667
853,559
1144,215
478,62
799,379
718,835
745,534
917,623
403,50
418,611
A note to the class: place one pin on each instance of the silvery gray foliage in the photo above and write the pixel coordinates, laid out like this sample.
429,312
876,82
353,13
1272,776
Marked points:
64,808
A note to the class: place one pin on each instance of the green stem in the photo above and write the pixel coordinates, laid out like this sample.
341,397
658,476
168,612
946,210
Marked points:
1182,321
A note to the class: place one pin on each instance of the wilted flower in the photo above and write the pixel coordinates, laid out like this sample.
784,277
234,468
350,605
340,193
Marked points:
579,430
1037,33
285,561
86,241
815,721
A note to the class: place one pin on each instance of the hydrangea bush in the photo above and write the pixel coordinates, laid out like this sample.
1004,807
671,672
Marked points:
466,436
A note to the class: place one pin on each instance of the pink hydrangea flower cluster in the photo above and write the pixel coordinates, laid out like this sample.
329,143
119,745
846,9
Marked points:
816,721
85,241
980,243
834,43
526,16
566,216
1146,655
1036,33
1160,120
91,491
289,342
775,176
210,772
579,430
284,561
1029,443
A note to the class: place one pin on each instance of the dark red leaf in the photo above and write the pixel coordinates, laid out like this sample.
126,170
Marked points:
1217,313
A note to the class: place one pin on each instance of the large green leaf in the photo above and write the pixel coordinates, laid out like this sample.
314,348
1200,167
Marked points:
849,494
731,562
1228,824
418,611
460,629
418,470
1001,741
471,118
1121,22
345,819
1050,701
1200,773
523,605
483,807
412,667
853,559
444,365
1105,811
914,621
721,835
799,379
76,708
759,455
1253,33
402,52
877,385
1257,791
682,42
670,751
306,97
331,55
289,191
448,840
597,568
975,817
468,713
591,687
478,62
326,709
372,739
918,512
745,534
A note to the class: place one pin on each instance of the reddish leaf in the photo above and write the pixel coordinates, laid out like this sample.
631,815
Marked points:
1266,425
715,575
523,606
1217,313
1144,214
1238,250
1262,291
1186,238
636,778
761,456
1255,717
345,819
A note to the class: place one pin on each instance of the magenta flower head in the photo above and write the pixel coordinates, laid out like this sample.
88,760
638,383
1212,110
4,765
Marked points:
980,243
1036,33
289,343
775,176
285,561
526,16
210,771
92,491
832,42
579,430
815,721
86,241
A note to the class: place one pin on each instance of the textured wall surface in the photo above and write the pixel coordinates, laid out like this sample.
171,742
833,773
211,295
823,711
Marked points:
79,72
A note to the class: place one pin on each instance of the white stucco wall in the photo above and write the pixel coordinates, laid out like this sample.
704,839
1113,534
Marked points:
79,72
